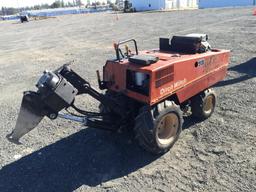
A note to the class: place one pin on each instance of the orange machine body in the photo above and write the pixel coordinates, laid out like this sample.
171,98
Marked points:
183,75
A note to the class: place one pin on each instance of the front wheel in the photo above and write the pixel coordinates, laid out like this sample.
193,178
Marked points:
158,128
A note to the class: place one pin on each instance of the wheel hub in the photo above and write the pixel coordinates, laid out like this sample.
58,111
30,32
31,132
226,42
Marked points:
167,128
208,104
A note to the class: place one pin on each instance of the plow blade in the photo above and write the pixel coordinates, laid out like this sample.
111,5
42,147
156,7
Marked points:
30,115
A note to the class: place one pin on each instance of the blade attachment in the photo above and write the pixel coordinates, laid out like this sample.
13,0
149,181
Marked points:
30,115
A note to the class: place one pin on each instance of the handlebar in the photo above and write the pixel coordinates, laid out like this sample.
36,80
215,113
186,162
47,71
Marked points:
123,42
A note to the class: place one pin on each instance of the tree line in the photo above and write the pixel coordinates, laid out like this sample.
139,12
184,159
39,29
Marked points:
56,4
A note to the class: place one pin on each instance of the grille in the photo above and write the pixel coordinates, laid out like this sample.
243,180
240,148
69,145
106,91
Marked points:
164,76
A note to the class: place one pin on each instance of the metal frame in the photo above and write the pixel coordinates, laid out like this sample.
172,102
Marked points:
123,42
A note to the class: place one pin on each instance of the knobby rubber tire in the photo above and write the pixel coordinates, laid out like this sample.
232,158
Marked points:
198,101
146,125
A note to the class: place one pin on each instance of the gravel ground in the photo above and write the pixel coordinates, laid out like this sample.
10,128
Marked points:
218,154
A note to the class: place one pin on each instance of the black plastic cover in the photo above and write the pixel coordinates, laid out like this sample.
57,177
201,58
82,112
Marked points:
184,44
143,59
181,44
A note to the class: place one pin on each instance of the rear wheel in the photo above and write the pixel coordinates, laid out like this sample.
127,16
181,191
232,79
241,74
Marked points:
203,104
158,128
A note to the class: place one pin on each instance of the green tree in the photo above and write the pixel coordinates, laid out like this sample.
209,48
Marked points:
62,4
2,11
56,4
78,3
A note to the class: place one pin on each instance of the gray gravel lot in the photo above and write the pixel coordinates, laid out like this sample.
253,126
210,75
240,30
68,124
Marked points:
218,154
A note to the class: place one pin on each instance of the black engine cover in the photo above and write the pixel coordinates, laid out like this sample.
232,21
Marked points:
55,92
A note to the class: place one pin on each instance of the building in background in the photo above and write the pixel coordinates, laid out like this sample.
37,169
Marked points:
181,4
224,3
144,5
